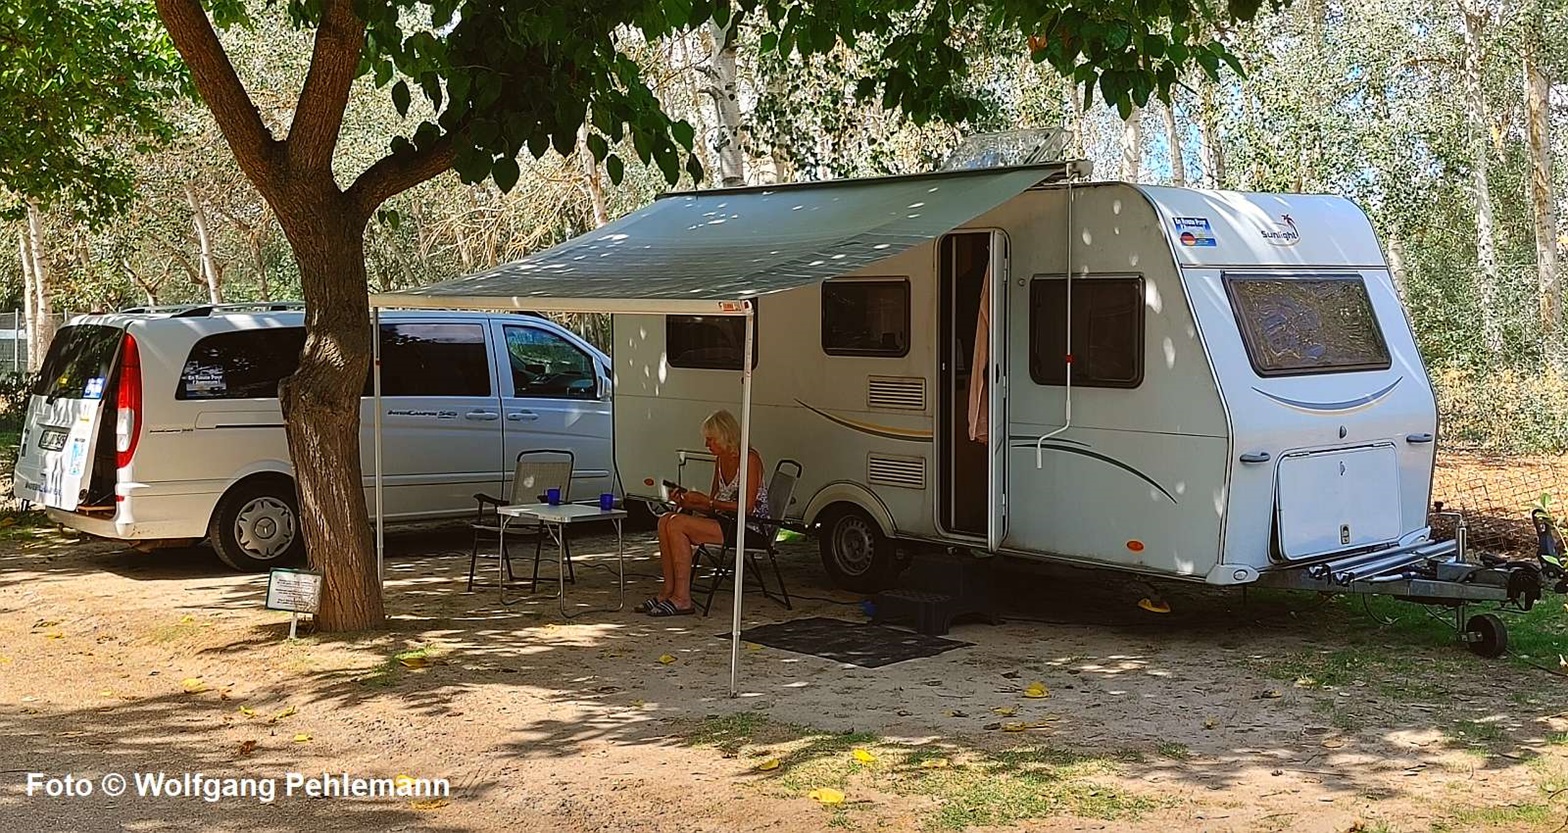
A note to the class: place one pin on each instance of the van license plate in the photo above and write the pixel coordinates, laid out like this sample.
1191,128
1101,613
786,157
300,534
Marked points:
52,439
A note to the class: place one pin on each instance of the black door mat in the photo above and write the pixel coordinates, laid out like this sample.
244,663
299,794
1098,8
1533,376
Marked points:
856,643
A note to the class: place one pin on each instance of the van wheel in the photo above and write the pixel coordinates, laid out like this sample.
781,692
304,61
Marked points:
256,526
855,553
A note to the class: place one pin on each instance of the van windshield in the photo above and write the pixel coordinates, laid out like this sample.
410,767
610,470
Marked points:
79,363
1295,326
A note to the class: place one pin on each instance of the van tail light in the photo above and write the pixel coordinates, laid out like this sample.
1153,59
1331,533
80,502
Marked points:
128,403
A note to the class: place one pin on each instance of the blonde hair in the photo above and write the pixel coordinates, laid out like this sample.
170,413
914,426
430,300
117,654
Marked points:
722,427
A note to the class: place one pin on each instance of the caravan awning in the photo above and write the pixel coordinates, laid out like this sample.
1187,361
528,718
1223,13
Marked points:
703,252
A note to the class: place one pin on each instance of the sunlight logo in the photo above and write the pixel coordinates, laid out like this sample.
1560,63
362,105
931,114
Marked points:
1282,232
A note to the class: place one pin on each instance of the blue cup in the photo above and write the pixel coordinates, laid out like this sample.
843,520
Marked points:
553,497
607,501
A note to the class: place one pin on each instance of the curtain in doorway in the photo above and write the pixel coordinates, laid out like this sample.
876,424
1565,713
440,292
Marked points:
980,368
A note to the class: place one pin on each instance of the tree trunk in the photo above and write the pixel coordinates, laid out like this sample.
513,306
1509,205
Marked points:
42,332
29,316
1542,202
321,406
592,183
722,76
258,255
209,266
1173,137
1480,159
1396,264
1209,135
1132,145
149,288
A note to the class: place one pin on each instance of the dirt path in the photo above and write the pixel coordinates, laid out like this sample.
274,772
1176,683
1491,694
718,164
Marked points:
1217,717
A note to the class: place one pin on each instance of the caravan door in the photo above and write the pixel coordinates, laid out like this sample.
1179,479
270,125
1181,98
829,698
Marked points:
996,521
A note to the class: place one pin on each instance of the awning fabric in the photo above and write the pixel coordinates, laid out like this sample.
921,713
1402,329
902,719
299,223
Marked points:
705,251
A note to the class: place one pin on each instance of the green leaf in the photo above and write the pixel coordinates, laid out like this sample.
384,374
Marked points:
615,168
694,167
598,146
684,133
401,97
505,172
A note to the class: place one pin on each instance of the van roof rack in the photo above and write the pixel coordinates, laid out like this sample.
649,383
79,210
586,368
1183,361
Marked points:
199,310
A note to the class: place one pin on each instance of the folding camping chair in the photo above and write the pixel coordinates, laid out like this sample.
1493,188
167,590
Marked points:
781,492
536,474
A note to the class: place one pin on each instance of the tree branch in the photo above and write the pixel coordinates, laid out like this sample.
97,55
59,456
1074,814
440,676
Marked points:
318,116
395,173
254,146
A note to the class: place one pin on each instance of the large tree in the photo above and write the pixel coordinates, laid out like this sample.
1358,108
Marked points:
500,76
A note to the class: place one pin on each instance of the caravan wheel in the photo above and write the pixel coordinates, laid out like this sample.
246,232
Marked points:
855,553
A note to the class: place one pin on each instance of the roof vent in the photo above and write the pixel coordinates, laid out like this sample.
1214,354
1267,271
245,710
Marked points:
1009,148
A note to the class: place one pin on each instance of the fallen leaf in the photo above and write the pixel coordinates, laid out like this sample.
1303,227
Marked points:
752,646
1036,690
1154,606
225,694
247,711
193,685
863,756
666,659
637,704
1270,694
827,795
54,635
403,781
768,766
187,619
416,661
428,804
1005,711
247,747
288,712
302,738
934,763
1014,726
5,660
1210,722
106,693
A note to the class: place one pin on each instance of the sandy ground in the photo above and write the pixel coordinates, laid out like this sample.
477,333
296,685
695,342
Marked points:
577,726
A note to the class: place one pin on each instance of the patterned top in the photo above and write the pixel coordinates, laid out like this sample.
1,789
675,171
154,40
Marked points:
727,491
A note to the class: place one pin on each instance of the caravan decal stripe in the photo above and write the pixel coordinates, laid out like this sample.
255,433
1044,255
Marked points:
884,431
1332,407
1113,461
1028,442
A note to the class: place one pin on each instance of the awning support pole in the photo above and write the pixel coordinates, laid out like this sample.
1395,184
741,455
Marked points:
375,375
742,509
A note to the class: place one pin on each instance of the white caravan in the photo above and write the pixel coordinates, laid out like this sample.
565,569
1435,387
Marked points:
1241,391
161,426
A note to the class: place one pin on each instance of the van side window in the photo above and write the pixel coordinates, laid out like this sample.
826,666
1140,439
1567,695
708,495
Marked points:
715,342
1295,326
546,365
1107,331
243,364
434,360
863,317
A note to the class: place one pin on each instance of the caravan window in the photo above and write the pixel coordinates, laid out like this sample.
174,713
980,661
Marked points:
714,342
865,317
1296,326
1107,321
244,364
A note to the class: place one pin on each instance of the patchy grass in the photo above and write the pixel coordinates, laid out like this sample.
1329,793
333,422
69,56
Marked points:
1475,733
187,629
966,787
1173,750
391,672
1531,815
1557,739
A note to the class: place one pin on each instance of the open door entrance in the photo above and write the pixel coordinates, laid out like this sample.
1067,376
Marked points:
972,441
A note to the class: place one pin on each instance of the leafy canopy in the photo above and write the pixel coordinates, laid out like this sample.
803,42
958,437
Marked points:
504,75
80,81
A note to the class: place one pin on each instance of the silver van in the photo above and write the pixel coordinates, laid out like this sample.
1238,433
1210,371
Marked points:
165,426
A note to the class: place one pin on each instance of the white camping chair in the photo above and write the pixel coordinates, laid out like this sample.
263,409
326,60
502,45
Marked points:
536,474
781,493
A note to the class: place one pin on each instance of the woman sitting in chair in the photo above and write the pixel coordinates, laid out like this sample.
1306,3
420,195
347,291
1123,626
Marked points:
681,532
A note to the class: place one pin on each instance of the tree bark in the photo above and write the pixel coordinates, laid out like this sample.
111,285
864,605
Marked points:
1543,205
1486,235
722,75
42,332
1173,138
1132,146
209,265
591,181
1396,264
29,294
1209,135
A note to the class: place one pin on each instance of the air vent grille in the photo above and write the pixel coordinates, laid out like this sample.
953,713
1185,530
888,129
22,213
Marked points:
898,393
903,472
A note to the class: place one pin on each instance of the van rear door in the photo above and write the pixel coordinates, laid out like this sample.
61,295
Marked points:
65,415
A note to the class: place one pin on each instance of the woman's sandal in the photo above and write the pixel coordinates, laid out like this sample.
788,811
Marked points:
666,608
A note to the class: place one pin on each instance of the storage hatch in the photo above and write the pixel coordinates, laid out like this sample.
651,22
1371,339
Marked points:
1331,501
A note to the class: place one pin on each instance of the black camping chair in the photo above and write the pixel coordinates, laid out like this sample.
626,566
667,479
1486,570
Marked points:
781,492
537,472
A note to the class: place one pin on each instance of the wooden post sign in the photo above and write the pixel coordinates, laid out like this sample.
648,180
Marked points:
297,591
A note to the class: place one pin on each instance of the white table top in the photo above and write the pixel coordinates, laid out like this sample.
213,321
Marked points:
566,513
